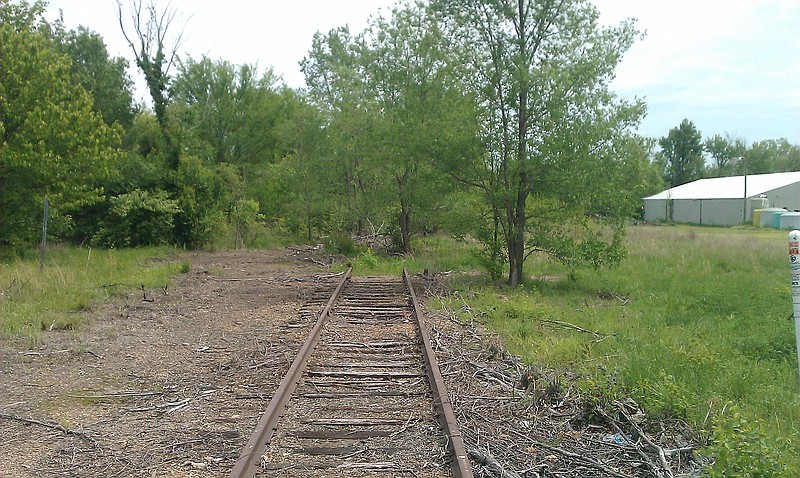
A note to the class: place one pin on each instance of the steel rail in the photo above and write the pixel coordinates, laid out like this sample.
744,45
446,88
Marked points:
248,461
460,466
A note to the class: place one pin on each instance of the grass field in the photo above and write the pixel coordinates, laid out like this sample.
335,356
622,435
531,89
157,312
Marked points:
74,279
694,324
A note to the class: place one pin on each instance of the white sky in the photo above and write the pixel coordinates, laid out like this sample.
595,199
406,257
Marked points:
730,66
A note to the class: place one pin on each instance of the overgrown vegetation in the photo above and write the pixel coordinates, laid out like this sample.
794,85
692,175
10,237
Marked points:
395,134
496,125
694,325
74,281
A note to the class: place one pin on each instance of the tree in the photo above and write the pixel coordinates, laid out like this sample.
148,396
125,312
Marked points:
148,42
553,132
103,77
420,109
768,156
227,113
336,85
227,116
788,157
51,142
393,103
682,154
726,152
297,188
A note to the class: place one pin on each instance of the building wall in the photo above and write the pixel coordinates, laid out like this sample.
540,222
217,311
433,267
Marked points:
787,197
687,211
711,212
717,212
723,212
655,210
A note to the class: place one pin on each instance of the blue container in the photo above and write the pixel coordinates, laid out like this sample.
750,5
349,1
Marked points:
790,220
776,219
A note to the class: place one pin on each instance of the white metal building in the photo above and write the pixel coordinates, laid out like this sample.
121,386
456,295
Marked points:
724,201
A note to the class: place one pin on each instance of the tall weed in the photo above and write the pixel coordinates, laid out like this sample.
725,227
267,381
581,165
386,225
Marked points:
692,317
75,279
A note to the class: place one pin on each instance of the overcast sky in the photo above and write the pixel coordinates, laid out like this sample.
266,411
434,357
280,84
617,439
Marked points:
730,66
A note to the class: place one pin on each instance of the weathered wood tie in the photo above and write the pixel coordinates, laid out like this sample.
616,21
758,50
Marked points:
354,371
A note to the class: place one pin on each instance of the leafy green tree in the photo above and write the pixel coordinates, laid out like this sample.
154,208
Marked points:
726,152
245,219
553,132
297,190
227,113
229,117
105,78
682,154
421,109
336,86
788,157
768,156
393,104
51,142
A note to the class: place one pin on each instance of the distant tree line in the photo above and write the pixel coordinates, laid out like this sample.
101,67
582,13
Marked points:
685,156
492,120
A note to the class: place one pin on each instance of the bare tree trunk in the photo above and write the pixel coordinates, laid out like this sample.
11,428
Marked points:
517,221
516,243
405,229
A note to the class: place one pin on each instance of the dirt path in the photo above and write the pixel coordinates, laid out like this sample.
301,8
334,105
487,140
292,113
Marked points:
166,384
170,384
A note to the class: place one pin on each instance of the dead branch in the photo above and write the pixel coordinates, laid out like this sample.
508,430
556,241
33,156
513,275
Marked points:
168,407
113,395
491,464
54,426
653,466
584,460
567,325
661,454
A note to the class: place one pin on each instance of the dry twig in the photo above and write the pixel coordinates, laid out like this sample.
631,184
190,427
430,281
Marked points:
54,426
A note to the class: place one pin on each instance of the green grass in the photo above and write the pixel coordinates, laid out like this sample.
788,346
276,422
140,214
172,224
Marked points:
693,324
74,280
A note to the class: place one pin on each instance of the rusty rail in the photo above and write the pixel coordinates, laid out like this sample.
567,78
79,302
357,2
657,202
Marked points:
250,457
460,465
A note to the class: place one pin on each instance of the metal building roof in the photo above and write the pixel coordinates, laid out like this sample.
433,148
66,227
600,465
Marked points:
732,187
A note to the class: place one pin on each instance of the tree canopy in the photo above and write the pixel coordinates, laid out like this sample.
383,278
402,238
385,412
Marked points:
52,141
554,136
395,106
493,120
682,154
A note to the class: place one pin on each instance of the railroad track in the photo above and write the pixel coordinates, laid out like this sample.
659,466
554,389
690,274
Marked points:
363,397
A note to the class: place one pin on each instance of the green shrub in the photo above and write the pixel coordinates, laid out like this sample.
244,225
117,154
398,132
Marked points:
368,259
138,218
340,244
744,449
245,219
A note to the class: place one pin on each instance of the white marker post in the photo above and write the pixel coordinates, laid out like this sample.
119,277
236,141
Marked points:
794,265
